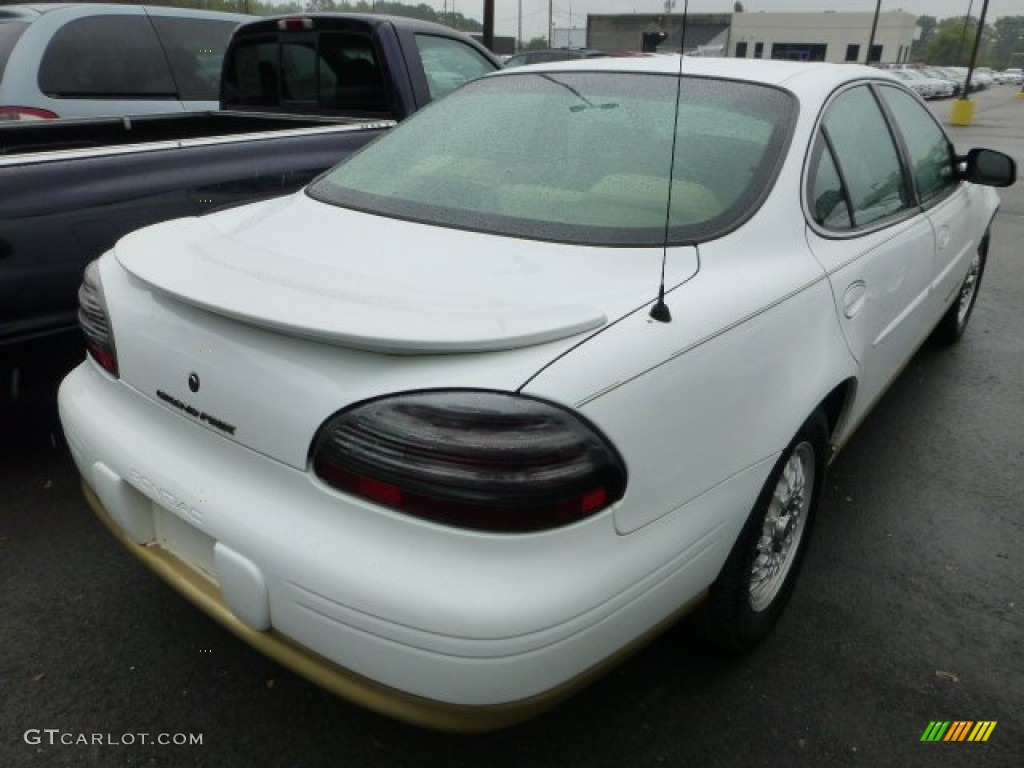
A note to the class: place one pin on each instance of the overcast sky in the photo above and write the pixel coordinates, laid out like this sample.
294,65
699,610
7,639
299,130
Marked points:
535,12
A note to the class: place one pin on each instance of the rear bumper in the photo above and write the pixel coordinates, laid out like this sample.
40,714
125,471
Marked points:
335,678
443,628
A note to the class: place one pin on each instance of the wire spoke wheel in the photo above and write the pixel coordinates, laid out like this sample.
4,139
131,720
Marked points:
758,576
783,528
951,327
968,291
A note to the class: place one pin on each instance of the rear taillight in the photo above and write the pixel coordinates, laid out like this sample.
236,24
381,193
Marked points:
25,113
95,321
485,460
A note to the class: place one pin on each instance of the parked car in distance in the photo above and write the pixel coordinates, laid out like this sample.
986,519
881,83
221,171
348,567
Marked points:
98,59
551,54
955,86
977,82
545,366
942,87
912,81
926,86
985,76
1009,77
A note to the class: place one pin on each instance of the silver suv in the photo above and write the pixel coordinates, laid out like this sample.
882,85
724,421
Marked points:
96,59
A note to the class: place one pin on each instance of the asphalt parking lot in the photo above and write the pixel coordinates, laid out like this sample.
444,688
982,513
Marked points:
909,609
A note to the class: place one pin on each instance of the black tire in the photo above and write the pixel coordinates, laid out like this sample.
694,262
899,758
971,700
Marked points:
758,577
953,324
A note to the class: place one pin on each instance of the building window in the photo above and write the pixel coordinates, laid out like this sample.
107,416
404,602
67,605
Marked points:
741,50
852,52
876,54
799,51
758,50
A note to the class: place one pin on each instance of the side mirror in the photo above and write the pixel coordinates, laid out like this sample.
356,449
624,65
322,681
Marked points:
991,168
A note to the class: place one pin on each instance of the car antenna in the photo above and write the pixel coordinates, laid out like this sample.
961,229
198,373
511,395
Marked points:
660,310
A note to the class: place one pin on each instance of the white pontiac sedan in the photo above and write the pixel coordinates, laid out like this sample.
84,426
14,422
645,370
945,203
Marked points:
555,361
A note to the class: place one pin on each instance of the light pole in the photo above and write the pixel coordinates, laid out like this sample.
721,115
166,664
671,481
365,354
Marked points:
489,25
874,28
963,108
519,27
551,23
977,40
963,33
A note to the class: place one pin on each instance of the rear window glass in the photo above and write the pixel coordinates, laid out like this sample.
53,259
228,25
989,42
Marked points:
10,31
108,56
195,49
576,157
330,71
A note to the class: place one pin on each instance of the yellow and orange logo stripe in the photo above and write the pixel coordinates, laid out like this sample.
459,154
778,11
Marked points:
958,730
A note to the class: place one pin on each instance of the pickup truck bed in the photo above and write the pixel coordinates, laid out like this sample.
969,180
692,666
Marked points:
101,178
25,138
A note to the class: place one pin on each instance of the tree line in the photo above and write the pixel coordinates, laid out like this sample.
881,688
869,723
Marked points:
950,42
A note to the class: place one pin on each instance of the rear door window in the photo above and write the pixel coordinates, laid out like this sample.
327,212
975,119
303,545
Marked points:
108,56
867,157
195,49
826,196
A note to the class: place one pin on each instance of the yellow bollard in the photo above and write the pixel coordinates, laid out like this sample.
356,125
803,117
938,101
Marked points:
963,112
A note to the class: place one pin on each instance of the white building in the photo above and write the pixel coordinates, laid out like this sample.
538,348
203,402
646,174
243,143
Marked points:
828,36
569,37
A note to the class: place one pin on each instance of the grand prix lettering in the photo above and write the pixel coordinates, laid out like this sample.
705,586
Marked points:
195,413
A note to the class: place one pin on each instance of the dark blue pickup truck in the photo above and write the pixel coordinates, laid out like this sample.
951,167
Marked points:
298,94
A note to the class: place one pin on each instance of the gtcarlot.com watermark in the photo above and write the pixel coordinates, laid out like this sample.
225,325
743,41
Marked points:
55,737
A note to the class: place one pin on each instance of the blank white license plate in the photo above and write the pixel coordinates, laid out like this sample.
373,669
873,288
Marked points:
187,543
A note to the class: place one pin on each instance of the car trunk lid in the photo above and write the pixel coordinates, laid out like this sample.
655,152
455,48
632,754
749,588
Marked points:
261,322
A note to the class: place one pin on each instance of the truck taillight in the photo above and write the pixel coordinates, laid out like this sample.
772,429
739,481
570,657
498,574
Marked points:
475,459
95,321
25,113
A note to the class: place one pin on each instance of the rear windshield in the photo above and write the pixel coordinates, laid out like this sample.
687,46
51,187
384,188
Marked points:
328,71
579,157
10,31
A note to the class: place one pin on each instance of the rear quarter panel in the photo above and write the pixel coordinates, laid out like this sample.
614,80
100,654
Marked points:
752,349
